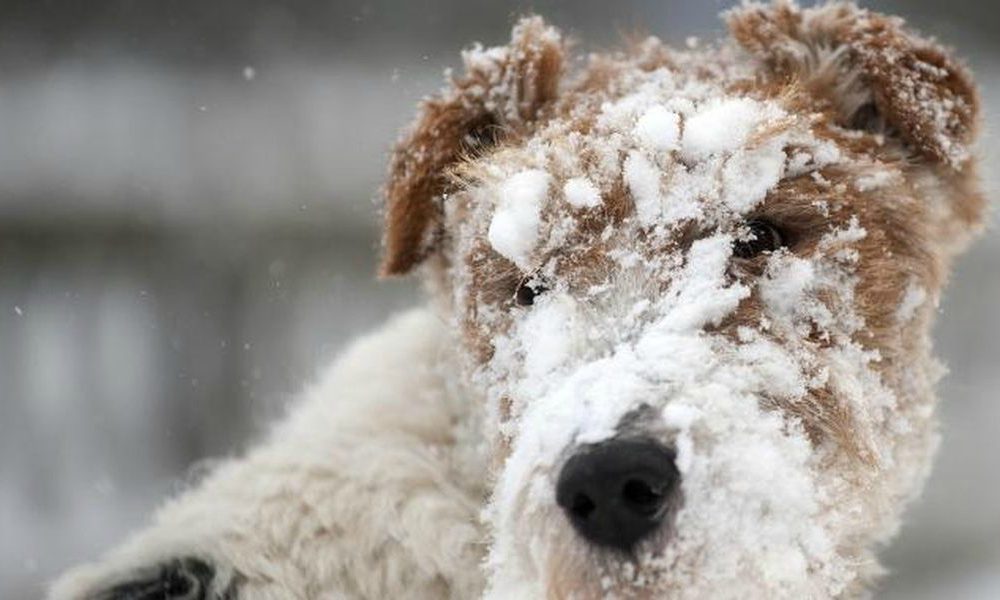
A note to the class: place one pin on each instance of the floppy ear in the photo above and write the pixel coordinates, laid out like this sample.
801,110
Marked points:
878,75
502,92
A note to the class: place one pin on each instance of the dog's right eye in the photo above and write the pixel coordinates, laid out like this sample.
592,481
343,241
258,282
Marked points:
526,293
762,236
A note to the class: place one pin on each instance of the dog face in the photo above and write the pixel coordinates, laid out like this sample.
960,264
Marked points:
694,291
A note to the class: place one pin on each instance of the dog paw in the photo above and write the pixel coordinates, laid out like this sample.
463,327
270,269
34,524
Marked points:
186,578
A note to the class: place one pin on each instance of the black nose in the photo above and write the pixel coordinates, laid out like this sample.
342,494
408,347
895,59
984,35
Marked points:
617,492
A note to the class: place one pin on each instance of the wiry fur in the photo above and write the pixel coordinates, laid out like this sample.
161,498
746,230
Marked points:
796,385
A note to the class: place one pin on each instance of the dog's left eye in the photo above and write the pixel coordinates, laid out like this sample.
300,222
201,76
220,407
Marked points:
762,236
526,293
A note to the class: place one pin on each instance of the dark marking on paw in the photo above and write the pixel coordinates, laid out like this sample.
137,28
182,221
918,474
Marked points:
180,579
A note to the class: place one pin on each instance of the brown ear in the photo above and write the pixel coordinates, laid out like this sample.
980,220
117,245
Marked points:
502,92
877,74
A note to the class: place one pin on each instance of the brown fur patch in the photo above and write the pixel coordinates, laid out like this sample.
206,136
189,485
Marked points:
871,60
497,97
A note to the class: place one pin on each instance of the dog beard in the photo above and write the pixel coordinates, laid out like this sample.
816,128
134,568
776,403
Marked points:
759,506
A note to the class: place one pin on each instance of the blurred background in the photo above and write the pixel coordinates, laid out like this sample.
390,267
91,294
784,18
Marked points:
188,233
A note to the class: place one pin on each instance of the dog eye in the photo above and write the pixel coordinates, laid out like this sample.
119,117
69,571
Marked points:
762,236
526,293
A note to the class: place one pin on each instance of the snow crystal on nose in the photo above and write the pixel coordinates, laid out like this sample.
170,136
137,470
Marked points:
514,229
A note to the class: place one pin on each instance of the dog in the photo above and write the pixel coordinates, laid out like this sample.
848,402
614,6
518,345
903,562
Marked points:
676,342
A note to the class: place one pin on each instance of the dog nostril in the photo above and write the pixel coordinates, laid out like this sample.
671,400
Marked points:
641,496
582,506
618,492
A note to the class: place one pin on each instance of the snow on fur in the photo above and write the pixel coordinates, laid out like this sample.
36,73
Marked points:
514,228
581,193
658,129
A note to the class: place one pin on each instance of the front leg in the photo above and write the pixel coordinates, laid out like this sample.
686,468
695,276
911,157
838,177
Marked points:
355,496
183,578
